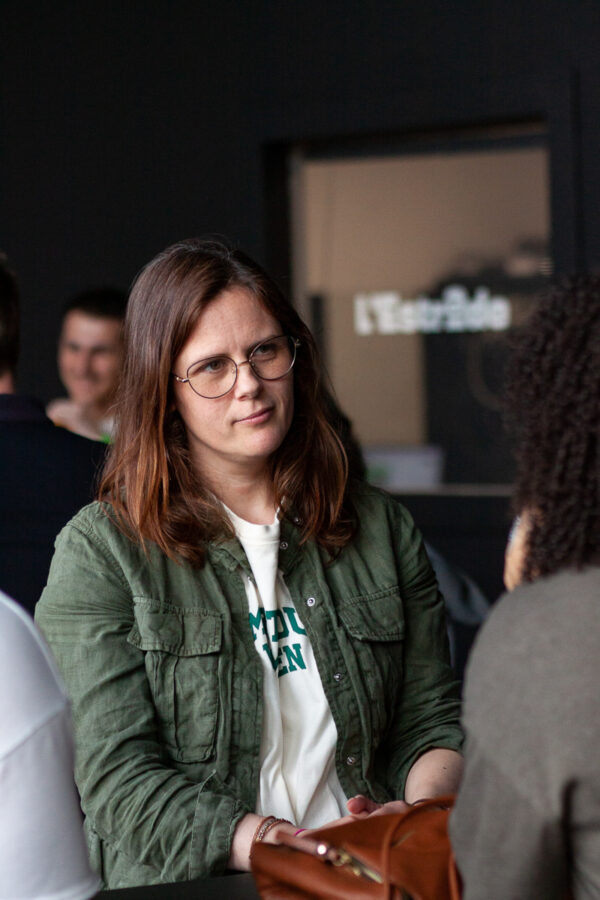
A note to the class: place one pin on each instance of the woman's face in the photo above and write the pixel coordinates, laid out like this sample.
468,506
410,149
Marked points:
234,434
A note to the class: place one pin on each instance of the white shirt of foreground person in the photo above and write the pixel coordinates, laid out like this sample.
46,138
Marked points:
43,853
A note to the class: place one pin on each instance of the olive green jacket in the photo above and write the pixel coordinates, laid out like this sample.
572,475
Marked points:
166,684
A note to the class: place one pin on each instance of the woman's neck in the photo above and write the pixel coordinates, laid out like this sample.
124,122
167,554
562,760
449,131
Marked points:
249,499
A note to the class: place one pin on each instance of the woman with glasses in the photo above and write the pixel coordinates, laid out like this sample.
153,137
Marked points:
251,642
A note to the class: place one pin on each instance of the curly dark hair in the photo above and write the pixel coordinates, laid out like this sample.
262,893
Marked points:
553,408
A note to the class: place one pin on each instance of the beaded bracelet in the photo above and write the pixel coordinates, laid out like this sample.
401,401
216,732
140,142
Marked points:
272,825
265,826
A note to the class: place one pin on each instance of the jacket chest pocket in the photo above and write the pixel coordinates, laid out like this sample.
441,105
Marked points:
182,652
375,628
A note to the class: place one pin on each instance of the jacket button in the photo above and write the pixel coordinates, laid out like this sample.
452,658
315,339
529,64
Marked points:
283,545
311,601
350,760
337,676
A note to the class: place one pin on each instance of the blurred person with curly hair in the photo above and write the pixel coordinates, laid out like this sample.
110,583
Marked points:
527,819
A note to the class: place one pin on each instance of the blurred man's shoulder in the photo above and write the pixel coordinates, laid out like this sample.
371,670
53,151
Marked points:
28,432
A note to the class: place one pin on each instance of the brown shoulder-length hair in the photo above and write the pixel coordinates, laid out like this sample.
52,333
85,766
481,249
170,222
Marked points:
155,493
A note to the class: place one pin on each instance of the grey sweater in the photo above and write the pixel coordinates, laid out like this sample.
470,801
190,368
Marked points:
527,820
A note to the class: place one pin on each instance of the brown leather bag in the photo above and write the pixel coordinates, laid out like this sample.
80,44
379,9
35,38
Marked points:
390,856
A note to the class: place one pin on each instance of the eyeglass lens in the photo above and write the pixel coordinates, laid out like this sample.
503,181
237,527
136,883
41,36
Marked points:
216,375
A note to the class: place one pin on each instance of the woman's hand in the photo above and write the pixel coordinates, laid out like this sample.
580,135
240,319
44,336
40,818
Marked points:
245,834
360,807
434,773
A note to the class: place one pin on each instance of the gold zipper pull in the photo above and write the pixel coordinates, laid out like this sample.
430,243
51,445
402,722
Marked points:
340,857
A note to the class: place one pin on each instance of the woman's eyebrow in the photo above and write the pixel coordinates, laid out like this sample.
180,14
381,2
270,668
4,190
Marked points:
248,350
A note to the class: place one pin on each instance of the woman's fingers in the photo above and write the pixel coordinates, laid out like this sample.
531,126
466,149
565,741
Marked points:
361,805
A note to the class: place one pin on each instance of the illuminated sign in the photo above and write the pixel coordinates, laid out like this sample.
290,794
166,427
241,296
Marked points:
385,312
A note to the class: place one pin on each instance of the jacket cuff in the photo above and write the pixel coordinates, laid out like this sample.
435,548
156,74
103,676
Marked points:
215,820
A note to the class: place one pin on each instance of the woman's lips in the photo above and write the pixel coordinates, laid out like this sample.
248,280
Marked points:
261,415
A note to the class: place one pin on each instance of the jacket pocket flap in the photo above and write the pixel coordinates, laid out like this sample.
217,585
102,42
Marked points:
188,632
379,617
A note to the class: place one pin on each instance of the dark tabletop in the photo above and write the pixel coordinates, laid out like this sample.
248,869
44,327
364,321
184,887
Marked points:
226,887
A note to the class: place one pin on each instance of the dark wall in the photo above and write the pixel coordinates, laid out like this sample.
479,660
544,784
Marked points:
127,126
470,531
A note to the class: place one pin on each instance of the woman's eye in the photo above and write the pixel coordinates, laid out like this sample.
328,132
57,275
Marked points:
211,366
267,349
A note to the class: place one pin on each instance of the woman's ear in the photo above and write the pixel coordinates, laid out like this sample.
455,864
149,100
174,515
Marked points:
516,551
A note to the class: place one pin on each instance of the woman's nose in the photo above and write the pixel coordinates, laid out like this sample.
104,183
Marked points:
247,381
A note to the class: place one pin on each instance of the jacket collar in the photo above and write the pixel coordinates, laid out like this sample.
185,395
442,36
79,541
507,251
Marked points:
231,554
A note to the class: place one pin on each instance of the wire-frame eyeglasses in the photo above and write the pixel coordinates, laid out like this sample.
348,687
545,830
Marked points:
215,376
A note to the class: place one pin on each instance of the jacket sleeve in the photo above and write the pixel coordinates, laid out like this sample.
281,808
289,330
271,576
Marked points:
428,711
132,798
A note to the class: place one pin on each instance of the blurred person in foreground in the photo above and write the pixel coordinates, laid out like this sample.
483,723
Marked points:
42,845
47,473
527,819
252,642
90,353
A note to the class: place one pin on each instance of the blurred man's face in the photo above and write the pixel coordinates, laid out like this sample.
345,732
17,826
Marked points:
89,358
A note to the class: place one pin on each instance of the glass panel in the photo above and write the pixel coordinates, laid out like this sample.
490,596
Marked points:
413,269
